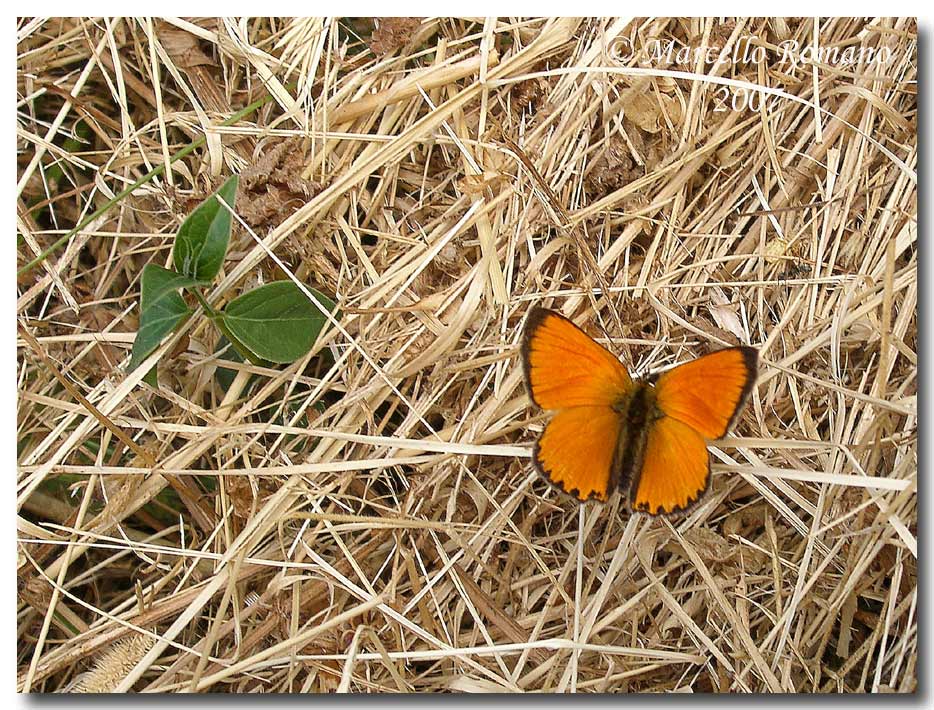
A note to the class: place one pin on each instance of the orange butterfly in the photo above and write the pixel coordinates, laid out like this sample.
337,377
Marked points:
610,432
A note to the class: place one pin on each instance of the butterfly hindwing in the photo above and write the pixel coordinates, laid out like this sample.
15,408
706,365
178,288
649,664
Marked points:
576,451
675,469
707,393
564,367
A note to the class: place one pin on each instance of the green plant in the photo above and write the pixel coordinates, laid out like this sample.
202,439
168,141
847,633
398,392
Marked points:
274,323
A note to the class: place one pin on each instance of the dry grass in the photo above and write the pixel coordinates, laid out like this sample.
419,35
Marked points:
367,519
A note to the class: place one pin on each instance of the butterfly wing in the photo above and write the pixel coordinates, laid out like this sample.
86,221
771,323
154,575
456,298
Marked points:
576,451
694,401
564,367
707,393
675,469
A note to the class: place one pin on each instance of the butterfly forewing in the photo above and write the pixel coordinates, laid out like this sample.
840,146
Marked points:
564,367
706,393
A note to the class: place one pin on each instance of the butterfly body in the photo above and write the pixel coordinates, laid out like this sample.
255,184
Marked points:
641,412
645,438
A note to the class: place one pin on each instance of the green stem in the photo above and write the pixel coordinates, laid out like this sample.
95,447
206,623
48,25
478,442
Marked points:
245,352
143,180
217,318
212,314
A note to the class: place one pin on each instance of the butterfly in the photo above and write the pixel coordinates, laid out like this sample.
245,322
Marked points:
648,439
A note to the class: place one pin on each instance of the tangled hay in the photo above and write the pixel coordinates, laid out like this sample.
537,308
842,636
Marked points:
367,519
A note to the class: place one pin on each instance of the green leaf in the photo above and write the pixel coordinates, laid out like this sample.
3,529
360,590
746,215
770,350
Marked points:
161,310
244,353
277,322
151,378
201,242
